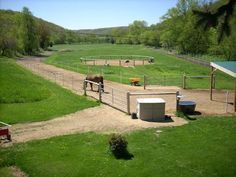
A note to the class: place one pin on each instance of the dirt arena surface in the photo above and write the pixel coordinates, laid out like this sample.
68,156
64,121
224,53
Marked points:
105,119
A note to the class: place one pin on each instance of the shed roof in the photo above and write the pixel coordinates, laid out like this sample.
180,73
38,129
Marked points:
228,67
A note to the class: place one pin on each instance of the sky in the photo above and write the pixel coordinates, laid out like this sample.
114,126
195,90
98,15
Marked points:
91,14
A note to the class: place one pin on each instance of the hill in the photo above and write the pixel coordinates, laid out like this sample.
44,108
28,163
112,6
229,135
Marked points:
101,31
8,19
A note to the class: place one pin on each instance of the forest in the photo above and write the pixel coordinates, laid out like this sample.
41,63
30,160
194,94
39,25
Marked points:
193,27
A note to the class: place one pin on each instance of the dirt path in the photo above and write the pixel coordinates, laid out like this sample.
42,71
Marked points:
105,118
74,81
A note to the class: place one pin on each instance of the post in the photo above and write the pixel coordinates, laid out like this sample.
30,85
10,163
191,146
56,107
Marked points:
100,91
212,71
184,82
128,102
214,81
226,101
177,101
143,61
144,82
105,62
134,62
119,63
93,62
85,94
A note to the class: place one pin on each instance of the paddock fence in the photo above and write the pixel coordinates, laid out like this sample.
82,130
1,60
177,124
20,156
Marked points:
117,60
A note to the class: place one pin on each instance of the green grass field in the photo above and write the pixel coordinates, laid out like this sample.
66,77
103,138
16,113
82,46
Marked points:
25,97
167,70
204,147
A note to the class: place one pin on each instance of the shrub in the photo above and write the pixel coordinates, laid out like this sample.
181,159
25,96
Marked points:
118,145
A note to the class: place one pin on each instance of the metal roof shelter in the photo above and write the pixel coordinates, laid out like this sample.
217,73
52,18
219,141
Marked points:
228,67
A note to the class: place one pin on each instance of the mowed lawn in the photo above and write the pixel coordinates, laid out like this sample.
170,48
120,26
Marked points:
167,70
204,147
25,97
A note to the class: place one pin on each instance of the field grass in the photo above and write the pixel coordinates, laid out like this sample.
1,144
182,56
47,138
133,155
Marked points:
204,147
167,70
25,97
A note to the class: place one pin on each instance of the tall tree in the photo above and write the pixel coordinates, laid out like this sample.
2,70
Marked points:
44,34
28,38
214,15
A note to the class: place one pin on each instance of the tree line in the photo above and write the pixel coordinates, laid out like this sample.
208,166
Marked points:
181,29
191,27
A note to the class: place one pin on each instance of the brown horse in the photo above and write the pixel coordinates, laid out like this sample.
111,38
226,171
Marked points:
97,79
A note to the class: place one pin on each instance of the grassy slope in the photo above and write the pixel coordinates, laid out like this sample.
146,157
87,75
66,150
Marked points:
25,97
169,66
205,147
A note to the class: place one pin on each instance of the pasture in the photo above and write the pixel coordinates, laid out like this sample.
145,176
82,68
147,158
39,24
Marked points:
204,147
25,97
167,70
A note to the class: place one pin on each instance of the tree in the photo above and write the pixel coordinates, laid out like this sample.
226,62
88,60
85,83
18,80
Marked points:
212,15
28,38
135,30
8,40
44,35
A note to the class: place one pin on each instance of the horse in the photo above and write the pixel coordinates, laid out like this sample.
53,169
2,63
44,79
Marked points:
97,79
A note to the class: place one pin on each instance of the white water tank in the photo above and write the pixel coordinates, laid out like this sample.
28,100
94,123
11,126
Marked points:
151,109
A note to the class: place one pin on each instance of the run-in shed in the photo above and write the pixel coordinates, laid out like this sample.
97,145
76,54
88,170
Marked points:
228,67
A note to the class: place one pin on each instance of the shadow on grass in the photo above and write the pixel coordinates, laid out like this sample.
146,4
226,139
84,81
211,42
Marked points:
189,116
126,155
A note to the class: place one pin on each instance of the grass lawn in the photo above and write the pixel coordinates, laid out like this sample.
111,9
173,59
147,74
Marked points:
204,147
167,70
25,97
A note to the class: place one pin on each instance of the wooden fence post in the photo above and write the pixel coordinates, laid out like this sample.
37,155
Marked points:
84,87
144,82
184,82
214,81
128,102
177,101
100,91
119,62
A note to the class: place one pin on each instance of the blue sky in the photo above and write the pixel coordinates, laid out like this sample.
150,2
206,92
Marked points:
90,14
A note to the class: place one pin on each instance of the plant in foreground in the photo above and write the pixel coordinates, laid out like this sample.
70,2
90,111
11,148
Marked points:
118,147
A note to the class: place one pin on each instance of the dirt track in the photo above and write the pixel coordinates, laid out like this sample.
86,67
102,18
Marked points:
104,118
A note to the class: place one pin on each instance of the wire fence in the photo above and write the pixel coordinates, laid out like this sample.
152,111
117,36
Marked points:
111,96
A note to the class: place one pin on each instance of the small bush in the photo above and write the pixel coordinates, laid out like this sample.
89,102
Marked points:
118,145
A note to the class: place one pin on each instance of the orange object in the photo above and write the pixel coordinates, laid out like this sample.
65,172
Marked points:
134,81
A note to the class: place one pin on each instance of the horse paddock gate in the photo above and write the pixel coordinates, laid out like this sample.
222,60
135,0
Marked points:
110,95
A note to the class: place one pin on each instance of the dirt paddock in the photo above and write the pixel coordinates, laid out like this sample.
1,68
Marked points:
110,62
